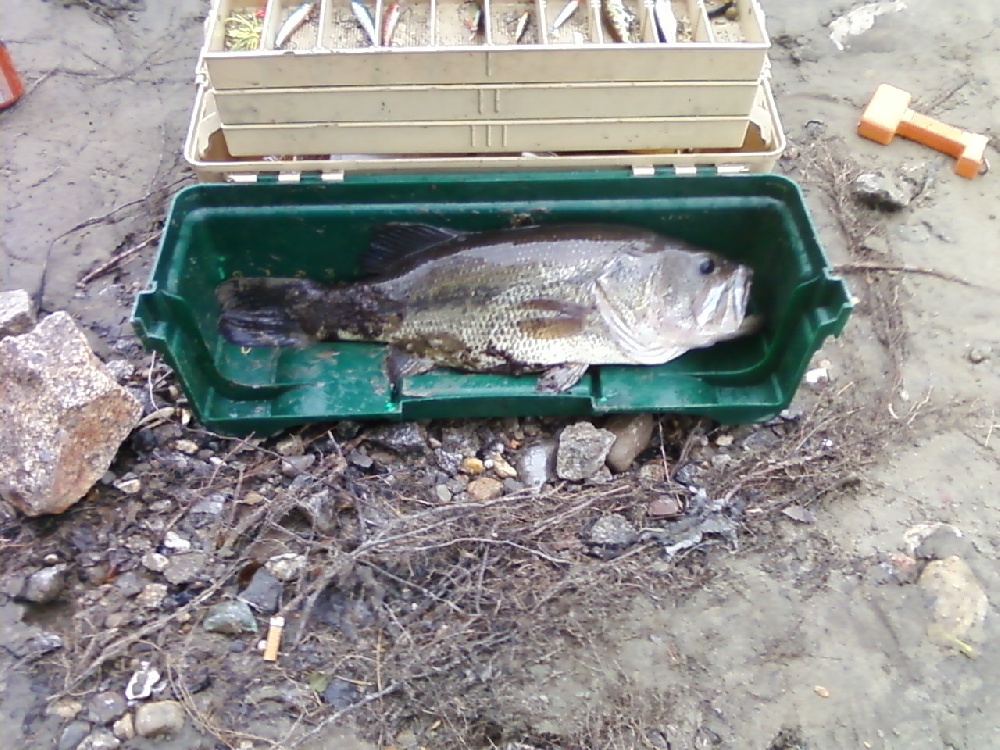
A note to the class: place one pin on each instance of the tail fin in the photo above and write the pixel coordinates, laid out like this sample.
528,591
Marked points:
266,311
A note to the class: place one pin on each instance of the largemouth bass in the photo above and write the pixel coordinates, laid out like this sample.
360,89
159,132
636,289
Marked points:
554,299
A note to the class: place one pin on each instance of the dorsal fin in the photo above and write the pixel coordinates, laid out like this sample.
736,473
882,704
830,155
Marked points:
394,243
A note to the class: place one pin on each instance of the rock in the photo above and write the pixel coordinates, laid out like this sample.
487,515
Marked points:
359,459
610,535
184,568
128,486
664,507
632,435
230,617
484,489
915,535
66,708
462,440
960,604
173,540
293,466
106,707
536,464
155,562
62,417
124,728
503,469
321,510
116,620
190,447
44,585
291,445
979,354
340,693
152,596
130,584
17,313
120,369
442,493
159,718
473,466
209,506
943,542
449,462
652,473
404,438
102,739
287,566
263,592
884,191
582,451
73,735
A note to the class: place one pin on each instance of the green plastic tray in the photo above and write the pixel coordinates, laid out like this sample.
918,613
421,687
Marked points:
216,231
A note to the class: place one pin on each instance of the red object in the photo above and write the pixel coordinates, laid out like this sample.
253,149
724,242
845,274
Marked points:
11,87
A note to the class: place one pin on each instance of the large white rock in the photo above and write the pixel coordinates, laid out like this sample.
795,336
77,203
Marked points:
62,417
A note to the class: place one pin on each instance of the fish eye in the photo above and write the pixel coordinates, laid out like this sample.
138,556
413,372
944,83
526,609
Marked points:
707,267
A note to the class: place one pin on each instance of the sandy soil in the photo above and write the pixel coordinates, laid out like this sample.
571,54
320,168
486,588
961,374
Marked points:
793,640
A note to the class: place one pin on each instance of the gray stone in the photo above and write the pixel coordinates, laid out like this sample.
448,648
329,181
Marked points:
44,585
152,595
209,506
102,739
293,466
120,369
124,728
449,461
442,493
62,417
159,718
944,541
320,509
17,313
185,567
230,617
980,353
359,459
290,445
632,435
130,583
263,592
287,566
405,438
462,439
613,530
74,733
536,464
583,449
155,562
884,191
340,693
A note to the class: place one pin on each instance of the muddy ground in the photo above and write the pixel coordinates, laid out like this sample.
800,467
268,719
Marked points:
802,631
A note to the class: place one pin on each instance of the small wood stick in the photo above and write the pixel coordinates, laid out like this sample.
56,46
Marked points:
274,638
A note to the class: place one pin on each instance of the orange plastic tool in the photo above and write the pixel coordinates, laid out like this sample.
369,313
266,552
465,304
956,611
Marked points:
888,114
11,87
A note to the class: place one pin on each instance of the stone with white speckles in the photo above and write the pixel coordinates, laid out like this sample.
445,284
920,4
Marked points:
17,313
62,417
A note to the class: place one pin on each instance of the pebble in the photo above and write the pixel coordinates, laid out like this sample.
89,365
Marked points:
152,595
461,440
294,466
106,707
883,191
102,739
73,735
186,446
404,438
449,462
320,509
632,435
511,486
263,592
291,445
484,489
209,506
115,620
536,464
502,468
287,566
612,533
124,728
44,585
230,617
979,354
67,708
582,451
443,493
155,562
652,473
664,507
173,540
960,604
159,718
361,460
185,568
473,465
128,486
340,693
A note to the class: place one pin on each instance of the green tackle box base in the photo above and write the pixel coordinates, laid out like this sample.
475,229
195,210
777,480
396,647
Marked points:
318,230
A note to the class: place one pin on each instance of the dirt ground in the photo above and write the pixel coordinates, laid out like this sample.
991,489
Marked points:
795,637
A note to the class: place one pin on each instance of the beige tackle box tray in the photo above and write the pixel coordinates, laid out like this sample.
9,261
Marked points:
436,87
207,151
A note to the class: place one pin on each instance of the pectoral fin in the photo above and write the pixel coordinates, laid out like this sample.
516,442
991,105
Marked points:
399,365
561,378
566,319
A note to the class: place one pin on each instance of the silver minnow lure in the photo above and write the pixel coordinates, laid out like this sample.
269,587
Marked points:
568,10
293,23
554,299
666,21
364,18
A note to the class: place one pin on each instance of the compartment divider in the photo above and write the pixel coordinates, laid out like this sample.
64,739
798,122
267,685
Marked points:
272,22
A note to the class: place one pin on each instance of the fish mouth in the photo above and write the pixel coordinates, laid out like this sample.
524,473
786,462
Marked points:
723,308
